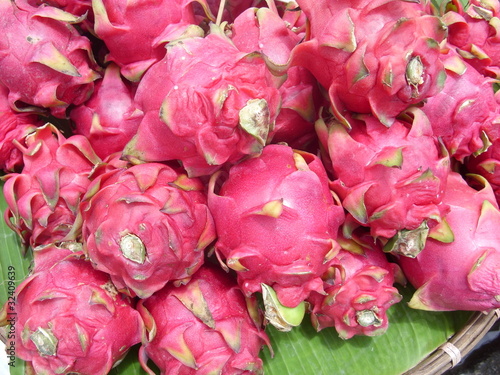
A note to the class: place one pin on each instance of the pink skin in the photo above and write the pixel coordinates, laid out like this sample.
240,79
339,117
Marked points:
357,283
286,251
14,126
487,165
221,338
477,38
387,197
110,118
43,199
464,109
153,206
144,28
29,70
361,53
463,274
206,134
94,325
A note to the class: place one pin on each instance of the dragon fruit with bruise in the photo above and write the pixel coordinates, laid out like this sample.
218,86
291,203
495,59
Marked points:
465,115
359,288
110,118
375,57
146,225
463,274
276,221
70,318
475,30
144,27
14,127
487,165
52,65
43,198
206,104
204,327
389,179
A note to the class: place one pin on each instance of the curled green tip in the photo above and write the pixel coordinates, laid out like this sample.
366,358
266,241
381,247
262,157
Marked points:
283,318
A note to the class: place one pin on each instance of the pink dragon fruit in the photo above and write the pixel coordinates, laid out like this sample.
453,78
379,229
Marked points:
463,274
52,64
389,179
375,57
475,30
263,30
144,27
465,114
43,199
110,118
204,327
78,323
204,114
488,165
14,126
276,222
145,226
360,289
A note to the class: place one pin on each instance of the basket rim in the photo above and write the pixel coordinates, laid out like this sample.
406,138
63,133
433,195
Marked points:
449,354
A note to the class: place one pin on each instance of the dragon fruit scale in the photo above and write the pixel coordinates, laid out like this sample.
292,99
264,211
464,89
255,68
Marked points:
204,327
376,57
52,65
487,164
110,118
465,115
145,226
463,274
276,222
78,323
144,27
474,30
205,104
360,289
43,198
389,179
14,126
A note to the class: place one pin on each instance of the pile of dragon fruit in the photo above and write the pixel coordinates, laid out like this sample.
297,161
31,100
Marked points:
188,173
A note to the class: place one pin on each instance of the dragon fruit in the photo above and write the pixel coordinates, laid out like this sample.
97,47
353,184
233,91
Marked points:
475,30
204,327
463,274
375,57
465,114
389,179
14,126
206,104
360,289
144,27
488,165
145,226
263,30
276,222
78,323
43,199
52,65
110,118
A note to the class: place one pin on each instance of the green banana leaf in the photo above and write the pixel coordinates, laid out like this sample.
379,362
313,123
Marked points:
412,334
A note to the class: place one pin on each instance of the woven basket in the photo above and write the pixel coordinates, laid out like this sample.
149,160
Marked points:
461,343
447,355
